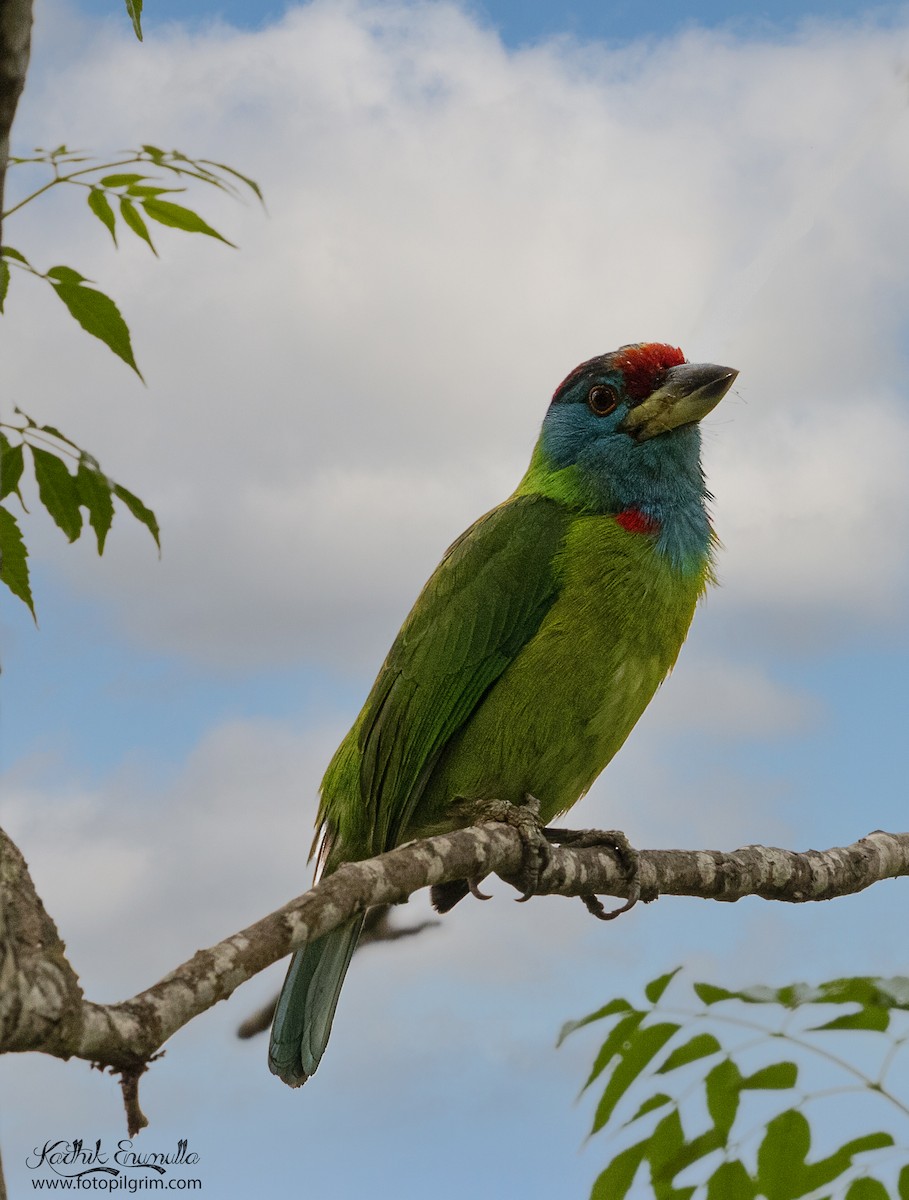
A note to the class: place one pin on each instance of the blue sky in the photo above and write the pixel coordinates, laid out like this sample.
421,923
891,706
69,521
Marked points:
462,205
527,21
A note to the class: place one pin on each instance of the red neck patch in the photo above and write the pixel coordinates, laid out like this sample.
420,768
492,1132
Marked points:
636,521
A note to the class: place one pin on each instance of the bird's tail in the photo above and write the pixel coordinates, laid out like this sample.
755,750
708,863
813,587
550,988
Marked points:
306,1006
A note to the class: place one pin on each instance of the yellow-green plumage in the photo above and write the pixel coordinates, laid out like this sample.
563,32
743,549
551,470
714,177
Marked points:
533,649
581,682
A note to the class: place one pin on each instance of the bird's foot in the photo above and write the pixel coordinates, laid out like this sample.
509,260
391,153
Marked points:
626,856
525,818
536,840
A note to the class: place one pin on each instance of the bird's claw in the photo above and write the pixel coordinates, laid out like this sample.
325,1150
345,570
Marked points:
595,907
525,818
626,855
536,841
473,886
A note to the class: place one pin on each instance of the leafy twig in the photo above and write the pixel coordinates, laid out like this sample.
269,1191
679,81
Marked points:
62,492
644,1053
131,191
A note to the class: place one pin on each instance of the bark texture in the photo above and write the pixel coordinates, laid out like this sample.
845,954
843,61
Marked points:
42,1007
15,48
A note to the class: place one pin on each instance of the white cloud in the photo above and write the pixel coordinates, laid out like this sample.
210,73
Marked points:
452,226
723,699
820,522
139,876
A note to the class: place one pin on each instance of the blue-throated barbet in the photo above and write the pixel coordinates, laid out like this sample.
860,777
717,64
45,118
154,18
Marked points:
535,646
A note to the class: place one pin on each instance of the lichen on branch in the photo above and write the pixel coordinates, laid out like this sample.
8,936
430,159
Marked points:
42,1007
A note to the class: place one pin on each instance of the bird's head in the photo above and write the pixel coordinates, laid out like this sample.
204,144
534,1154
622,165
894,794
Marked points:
625,424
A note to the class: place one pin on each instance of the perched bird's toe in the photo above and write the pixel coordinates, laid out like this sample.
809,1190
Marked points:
626,855
525,818
596,908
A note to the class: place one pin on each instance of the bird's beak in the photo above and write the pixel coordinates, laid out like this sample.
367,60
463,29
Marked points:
687,393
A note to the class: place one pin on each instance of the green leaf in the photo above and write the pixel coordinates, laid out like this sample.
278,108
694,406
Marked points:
690,1152
608,1010
619,1037
4,281
250,183
95,494
667,1143
614,1182
777,1076
14,560
139,511
95,312
9,252
893,993
709,994
792,996
868,991
877,1019
788,996
194,171
670,1153
654,990
867,1189
66,275
656,1101
121,180
903,1184
134,8
165,212
133,220
665,1191
11,464
723,1086
54,432
699,1046
57,491
784,1174
640,1049
819,1173
730,1181
100,206
781,1155
143,189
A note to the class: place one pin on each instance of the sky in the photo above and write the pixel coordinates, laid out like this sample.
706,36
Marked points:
462,203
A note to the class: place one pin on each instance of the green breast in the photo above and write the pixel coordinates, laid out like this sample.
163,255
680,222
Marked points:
562,709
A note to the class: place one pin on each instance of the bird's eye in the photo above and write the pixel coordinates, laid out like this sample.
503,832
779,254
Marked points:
602,399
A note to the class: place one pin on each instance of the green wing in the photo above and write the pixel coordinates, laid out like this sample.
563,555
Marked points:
482,604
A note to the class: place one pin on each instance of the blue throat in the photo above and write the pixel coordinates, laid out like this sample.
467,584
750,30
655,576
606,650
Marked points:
661,478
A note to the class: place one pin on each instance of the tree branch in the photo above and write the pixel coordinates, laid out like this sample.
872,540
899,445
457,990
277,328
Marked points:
41,1005
40,997
376,928
15,48
15,51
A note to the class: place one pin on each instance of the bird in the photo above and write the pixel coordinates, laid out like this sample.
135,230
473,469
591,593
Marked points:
532,650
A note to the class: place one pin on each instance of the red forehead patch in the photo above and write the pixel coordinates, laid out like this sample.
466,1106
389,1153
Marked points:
643,364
